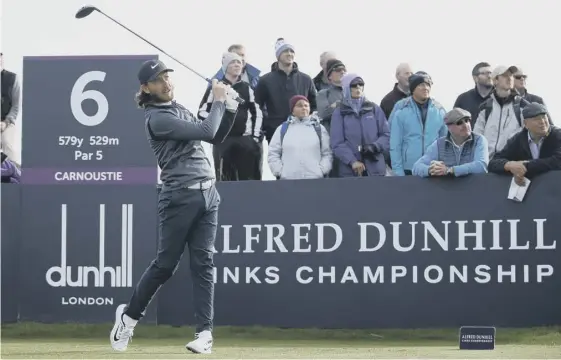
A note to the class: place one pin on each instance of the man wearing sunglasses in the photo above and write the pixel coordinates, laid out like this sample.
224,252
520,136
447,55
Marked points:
459,153
520,85
329,98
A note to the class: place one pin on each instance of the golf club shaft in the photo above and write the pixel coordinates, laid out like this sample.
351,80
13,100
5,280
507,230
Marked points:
231,94
132,32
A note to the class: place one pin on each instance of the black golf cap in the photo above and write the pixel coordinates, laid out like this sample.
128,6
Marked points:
150,70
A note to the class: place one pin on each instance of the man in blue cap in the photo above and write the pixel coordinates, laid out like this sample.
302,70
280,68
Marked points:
188,201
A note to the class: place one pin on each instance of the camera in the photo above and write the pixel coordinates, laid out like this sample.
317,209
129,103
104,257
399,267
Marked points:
369,152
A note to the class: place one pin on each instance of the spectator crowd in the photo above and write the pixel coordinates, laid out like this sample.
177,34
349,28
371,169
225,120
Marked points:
325,126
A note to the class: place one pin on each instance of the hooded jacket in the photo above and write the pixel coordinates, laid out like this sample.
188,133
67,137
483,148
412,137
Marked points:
10,172
409,137
274,91
355,123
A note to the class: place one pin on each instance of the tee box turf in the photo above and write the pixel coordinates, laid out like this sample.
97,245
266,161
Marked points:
477,337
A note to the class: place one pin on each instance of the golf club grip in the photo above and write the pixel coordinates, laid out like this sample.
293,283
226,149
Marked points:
237,98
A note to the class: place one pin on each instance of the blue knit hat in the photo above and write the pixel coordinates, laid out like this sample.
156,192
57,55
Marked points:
281,46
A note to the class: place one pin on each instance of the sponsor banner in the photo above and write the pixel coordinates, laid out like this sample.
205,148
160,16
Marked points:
85,248
95,132
385,252
338,253
11,240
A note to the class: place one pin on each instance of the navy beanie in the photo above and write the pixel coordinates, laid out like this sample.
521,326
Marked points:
417,79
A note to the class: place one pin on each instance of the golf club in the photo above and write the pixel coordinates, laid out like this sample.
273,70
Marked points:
88,9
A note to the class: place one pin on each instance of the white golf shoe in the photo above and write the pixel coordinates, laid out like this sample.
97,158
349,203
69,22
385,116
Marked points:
202,343
122,330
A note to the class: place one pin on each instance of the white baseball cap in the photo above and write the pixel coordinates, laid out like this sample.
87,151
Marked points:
502,69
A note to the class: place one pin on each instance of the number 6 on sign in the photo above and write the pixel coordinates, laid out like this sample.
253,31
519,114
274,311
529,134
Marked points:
78,96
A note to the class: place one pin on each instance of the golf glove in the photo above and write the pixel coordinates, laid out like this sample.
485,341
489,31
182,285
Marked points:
231,103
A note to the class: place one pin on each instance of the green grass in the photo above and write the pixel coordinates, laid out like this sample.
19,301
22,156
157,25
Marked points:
531,336
78,341
170,350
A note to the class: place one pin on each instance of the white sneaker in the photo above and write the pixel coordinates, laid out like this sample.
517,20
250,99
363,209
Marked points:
202,343
122,330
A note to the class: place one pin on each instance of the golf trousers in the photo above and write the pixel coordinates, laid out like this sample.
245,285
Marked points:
187,217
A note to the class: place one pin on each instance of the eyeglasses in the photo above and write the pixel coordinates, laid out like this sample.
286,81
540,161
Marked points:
519,77
357,85
460,122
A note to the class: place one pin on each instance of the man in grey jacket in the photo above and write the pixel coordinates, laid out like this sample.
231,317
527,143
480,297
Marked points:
188,201
328,99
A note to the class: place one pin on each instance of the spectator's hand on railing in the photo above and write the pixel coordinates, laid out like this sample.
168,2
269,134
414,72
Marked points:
516,168
437,168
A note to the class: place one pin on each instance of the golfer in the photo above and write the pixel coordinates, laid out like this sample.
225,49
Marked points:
188,201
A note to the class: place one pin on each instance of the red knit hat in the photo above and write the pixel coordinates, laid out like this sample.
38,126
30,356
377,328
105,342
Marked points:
295,99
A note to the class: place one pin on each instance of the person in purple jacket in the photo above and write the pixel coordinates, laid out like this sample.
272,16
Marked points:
359,132
10,171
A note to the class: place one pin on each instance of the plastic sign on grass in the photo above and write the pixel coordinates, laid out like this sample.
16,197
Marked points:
477,337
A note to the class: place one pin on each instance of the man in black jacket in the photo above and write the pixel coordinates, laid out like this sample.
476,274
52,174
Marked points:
520,85
238,157
473,98
533,151
400,89
275,89
321,81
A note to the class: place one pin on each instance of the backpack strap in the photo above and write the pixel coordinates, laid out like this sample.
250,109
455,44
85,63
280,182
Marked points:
317,128
518,112
284,128
488,106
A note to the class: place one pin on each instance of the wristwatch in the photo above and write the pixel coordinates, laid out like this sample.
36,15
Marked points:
450,171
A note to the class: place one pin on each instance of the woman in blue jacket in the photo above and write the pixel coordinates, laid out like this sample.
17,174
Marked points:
359,132
417,121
